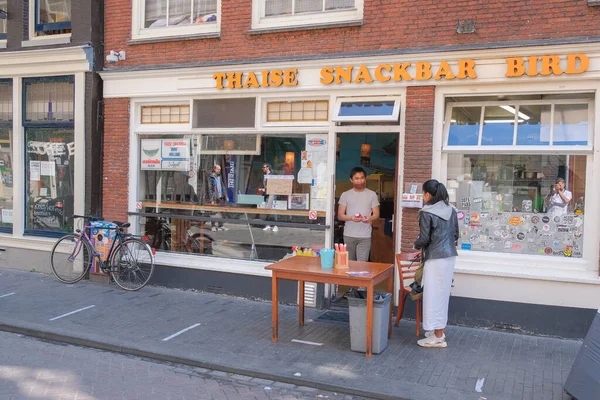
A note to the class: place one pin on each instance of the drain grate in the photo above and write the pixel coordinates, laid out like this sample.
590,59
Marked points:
338,317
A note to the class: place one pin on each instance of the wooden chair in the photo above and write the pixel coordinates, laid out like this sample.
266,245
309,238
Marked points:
407,266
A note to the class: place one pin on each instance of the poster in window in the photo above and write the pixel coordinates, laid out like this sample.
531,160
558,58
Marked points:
280,184
298,201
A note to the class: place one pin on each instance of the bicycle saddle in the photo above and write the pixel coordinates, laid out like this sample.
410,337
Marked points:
122,224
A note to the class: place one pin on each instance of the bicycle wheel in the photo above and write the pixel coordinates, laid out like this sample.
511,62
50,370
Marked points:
71,258
132,264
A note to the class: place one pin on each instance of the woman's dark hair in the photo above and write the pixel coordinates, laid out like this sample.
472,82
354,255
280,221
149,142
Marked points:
357,170
437,191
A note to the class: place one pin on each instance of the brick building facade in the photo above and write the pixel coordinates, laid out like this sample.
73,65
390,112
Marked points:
461,91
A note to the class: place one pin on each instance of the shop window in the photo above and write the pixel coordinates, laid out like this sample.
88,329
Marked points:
289,13
6,167
225,113
49,161
3,18
508,201
218,203
158,18
297,111
367,110
179,114
528,123
52,17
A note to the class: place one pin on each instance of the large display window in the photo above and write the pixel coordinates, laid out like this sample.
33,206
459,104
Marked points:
6,160
48,119
240,196
528,197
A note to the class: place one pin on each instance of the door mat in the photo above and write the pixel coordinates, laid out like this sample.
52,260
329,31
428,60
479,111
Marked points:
337,317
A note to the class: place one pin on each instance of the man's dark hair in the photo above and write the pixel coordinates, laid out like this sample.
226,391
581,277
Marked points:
357,170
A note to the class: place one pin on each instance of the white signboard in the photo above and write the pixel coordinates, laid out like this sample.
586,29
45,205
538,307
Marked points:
34,170
170,154
48,168
7,216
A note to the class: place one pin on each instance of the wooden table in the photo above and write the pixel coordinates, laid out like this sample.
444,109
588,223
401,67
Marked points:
308,269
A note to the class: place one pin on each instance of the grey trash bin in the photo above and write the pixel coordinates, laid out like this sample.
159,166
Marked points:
358,321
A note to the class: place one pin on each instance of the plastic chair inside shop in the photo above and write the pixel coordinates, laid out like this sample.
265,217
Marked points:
407,266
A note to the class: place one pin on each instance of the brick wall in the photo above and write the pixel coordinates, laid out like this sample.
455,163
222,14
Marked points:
417,152
116,159
388,24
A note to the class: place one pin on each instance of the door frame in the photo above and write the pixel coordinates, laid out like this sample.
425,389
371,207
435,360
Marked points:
399,183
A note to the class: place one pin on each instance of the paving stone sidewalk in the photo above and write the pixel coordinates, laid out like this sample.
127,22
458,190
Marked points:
234,335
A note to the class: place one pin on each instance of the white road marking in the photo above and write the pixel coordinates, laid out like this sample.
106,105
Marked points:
180,332
6,295
70,313
307,342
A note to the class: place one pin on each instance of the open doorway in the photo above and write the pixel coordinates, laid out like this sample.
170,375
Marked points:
377,153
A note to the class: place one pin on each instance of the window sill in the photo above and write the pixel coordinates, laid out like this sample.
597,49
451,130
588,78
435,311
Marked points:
543,268
208,263
46,41
142,39
302,27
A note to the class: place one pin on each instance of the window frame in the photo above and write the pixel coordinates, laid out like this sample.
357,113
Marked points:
9,124
140,33
40,125
394,117
290,22
533,149
38,27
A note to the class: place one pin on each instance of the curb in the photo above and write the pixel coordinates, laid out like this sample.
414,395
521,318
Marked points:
298,381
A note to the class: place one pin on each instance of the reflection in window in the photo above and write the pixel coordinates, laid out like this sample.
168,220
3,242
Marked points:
570,124
499,125
164,13
3,19
213,202
534,125
366,109
464,126
53,17
6,167
49,100
292,7
49,173
506,203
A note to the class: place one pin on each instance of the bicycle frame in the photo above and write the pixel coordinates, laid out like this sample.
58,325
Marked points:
85,236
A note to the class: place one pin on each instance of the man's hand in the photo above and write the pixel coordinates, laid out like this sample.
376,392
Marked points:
356,219
366,220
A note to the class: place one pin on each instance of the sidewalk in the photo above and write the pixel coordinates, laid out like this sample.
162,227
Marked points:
234,335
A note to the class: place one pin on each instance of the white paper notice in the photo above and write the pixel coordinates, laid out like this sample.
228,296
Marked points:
43,192
48,168
7,216
34,170
305,175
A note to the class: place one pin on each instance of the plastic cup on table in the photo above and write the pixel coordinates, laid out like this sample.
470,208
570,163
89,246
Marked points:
327,256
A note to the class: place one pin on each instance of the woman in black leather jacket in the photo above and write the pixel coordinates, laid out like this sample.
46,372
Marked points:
438,235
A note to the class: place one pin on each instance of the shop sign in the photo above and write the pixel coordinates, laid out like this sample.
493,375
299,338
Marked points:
171,155
404,71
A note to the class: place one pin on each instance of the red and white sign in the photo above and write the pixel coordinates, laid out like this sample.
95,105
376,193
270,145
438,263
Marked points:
138,205
312,214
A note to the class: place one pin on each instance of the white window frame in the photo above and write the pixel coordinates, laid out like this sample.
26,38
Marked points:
290,22
530,149
139,32
335,117
523,265
35,40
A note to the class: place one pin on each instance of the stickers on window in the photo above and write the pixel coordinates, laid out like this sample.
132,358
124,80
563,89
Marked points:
545,219
460,215
521,236
465,246
515,221
535,219
556,219
568,251
568,220
465,202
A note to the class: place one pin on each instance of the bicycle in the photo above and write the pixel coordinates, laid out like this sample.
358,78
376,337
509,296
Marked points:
130,260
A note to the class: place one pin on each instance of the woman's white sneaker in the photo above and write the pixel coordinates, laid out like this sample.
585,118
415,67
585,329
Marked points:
433,341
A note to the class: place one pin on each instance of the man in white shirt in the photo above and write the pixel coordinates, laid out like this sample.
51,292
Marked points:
558,199
358,207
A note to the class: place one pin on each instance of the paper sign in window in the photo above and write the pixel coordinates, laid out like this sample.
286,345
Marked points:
280,184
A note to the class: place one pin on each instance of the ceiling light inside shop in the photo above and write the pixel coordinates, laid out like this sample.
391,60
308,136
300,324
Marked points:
511,109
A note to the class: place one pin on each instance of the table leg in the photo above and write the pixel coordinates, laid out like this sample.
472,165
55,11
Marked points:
370,296
274,305
390,289
301,302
